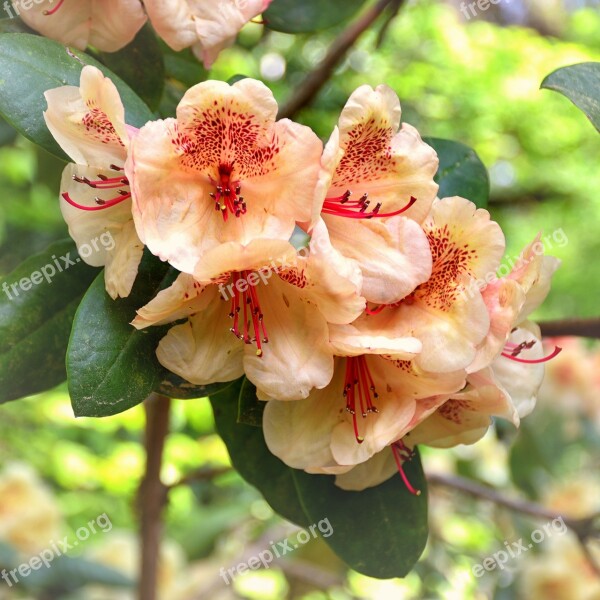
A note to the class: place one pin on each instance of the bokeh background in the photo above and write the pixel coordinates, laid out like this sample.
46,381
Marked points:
473,80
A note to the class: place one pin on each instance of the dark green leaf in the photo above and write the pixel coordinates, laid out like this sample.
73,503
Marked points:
461,172
13,25
183,66
253,460
30,65
250,408
580,84
291,16
380,532
140,64
35,323
112,366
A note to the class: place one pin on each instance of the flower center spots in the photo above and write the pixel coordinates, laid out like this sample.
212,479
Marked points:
245,311
227,197
102,184
342,206
512,351
403,453
359,391
47,13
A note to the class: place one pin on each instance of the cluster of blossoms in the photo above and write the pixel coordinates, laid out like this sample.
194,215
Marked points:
204,25
366,341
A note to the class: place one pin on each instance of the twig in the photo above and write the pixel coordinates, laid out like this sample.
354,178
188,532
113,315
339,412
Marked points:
584,528
313,83
152,494
580,327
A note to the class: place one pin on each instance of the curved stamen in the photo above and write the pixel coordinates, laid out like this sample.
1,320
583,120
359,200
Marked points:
375,311
101,204
103,182
402,453
252,315
514,355
359,391
51,12
342,206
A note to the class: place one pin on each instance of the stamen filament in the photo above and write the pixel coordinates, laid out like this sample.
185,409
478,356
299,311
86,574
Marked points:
51,12
401,454
101,204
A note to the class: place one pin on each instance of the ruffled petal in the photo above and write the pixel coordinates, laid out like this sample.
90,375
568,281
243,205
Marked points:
371,473
297,357
394,256
203,350
182,299
89,122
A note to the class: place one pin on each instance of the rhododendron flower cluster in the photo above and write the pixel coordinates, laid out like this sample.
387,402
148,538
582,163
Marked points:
108,25
387,330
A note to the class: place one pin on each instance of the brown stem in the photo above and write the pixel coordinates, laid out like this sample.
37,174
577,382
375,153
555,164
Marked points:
584,528
313,83
152,494
580,327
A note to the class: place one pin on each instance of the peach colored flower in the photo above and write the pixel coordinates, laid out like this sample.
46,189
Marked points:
223,171
205,25
89,124
107,25
372,171
260,309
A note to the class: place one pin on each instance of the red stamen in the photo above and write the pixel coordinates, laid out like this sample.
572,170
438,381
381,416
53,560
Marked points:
514,354
359,389
342,206
51,12
227,197
101,204
403,453
375,311
103,182
252,315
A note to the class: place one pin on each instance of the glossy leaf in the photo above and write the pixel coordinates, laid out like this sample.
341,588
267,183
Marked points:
252,459
173,386
461,172
37,305
380,532
30,65
291,16
140,64
580,84
112,366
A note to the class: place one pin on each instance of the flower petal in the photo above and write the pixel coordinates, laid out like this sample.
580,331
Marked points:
390,165
123,261
203,350
182,299
394,256
297,357
89,122
371,473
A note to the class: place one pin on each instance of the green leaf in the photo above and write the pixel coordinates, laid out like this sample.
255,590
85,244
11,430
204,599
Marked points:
250,409
291,16
461,172
35,322
580,84
111,366
30,65
140,64
380,532
253,460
